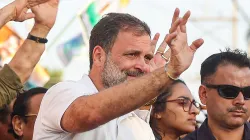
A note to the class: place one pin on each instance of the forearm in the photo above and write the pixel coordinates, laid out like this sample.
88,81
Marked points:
86,113
6,14
29,54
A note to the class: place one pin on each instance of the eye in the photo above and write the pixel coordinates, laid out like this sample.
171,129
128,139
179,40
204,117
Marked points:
131,55
148,58
184,102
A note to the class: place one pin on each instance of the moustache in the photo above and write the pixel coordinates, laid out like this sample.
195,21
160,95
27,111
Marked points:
136,73
237,108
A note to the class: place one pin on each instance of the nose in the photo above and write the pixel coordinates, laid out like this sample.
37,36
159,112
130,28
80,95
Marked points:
194,110
142,65
239,100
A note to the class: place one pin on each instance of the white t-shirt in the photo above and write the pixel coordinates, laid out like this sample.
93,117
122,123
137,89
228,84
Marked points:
57,100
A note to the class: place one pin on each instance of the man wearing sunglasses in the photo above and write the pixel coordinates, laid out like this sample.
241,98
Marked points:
25,110
225,90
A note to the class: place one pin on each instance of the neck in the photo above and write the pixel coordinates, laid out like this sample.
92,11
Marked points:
96,79
168,133
222,133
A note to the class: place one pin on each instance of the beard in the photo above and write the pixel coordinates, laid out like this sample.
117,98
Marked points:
112,75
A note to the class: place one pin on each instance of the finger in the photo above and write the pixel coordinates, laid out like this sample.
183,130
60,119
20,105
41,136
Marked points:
170,38
28,16
32,3
175,26
155,40
196,44
184,21
167,54
185,17
163,44
176,15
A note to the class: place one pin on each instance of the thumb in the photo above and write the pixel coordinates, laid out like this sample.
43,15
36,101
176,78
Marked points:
196,44
28,16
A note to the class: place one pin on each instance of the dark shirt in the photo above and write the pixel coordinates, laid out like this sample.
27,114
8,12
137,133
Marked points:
204,133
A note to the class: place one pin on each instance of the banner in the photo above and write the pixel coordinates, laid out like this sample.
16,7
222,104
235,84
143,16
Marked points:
69,49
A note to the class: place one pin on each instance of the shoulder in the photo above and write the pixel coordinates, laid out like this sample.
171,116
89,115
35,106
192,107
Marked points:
9,78
67,86
64,91
248,126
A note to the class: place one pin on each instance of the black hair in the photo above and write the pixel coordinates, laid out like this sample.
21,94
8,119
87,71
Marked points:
21,106
4,113
233,57
160,106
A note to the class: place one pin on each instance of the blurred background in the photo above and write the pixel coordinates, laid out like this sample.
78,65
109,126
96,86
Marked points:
223,23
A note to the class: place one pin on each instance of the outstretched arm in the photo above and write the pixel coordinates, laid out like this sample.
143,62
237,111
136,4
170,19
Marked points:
87,112
30,52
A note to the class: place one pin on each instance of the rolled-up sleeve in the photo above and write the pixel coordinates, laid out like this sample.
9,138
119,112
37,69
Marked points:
10,85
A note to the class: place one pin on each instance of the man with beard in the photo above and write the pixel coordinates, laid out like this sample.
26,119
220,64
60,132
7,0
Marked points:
225,90
120,50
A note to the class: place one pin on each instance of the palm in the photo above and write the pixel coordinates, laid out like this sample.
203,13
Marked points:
158,60
181,54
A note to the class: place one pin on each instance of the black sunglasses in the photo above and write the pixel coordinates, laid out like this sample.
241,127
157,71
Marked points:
231,92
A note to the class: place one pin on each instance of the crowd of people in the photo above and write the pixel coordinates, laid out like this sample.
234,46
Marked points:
132,91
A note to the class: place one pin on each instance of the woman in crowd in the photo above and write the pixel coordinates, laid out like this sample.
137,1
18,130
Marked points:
174,112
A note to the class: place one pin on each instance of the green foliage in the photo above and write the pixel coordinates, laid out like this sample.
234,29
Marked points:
55,77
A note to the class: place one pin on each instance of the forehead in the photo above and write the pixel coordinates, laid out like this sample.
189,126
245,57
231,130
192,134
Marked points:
231,75
127,40
179,90
35,102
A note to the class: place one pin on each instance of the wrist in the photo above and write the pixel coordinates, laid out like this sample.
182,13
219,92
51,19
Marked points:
40,31
7,13
172,74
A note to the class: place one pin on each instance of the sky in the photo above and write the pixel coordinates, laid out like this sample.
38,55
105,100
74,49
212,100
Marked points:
210,20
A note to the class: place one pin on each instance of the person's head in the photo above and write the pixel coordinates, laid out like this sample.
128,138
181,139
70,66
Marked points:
5,120
174,111
25,110
225,88
119,48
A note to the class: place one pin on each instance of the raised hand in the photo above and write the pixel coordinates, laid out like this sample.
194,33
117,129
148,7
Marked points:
45,14
20,9
181,54
161,57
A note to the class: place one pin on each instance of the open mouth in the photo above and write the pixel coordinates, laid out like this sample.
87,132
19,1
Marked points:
131,77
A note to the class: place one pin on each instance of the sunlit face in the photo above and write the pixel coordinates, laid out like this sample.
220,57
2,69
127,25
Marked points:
228,112
174,118
129,58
